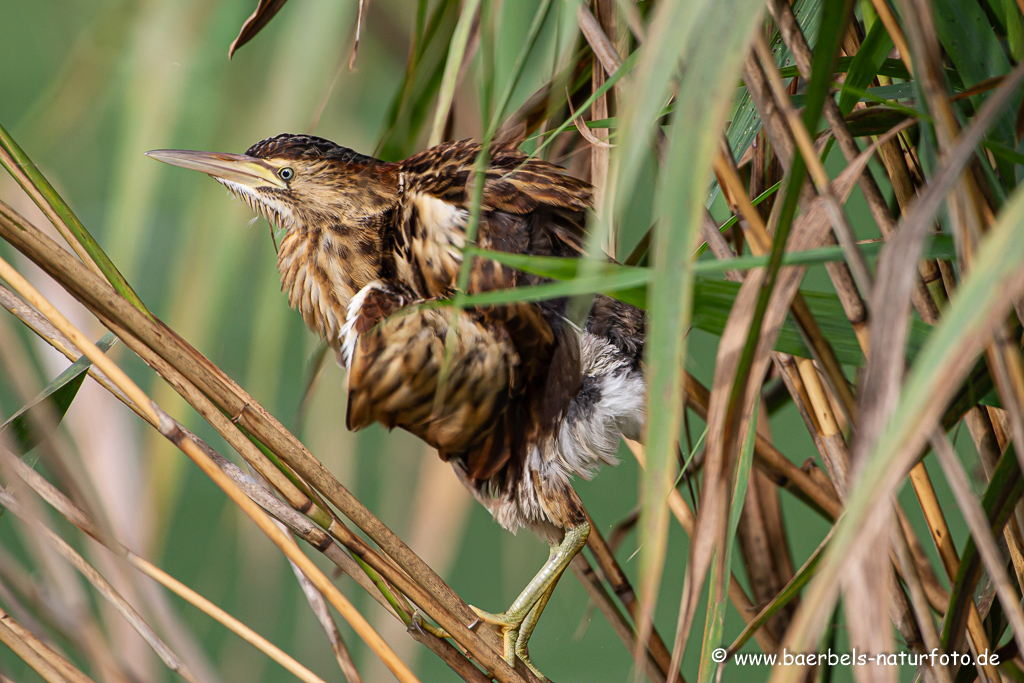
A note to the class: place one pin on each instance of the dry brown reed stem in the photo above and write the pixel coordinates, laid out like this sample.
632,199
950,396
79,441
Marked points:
44,661
760,244
786,364
688,521
826,430
926,306
794,384
764,547
169,430
323,615
837,455
798,45
969,213
883,373
796,42
732,400
930,641
1005,363
987,445
892,27
936,520
623,629
763,78
300,525
967,208
772,462
840,223
1004,359
803,141
236,626
102,586
444,607
977,523
930,294
608,62
622,588
827,441
794,39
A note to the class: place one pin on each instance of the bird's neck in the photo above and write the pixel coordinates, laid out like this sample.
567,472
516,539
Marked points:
324,261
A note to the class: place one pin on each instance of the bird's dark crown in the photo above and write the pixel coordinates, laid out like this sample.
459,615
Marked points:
304,147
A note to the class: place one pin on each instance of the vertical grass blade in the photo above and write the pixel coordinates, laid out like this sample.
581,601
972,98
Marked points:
715,622
456,53
705,91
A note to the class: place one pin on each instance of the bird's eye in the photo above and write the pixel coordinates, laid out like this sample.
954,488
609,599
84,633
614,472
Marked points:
286,173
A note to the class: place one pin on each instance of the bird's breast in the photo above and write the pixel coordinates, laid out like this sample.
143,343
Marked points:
320,273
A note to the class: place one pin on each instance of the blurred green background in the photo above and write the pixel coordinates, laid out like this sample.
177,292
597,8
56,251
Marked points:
86,88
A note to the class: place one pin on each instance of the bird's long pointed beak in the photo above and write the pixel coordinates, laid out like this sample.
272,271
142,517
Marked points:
239,168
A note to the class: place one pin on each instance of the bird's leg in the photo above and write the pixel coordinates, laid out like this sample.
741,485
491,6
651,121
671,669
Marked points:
518,621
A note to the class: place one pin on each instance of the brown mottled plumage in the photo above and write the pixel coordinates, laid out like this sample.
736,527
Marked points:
514,396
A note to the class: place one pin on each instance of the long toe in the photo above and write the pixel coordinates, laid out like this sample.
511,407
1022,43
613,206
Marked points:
502,619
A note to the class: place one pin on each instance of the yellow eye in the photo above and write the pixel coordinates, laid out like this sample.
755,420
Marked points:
286,173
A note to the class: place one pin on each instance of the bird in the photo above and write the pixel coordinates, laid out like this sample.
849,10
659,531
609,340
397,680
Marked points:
516,397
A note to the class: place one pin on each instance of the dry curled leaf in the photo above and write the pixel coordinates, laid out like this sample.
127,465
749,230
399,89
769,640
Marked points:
581,126
265,11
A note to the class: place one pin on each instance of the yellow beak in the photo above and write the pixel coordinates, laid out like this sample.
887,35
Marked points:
238,168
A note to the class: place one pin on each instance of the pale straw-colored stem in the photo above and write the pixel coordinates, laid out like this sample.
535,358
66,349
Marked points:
169,429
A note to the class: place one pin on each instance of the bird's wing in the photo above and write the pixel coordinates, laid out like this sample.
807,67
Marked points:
528,205
399,375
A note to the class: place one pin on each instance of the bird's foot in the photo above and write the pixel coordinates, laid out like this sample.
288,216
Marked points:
517,623
516,629
508,625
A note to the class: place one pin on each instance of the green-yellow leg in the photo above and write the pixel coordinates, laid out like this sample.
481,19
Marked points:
518,621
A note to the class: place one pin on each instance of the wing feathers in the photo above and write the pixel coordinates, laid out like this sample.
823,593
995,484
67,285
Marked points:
396,373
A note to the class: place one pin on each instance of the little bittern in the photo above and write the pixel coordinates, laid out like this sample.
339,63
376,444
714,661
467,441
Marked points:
528,399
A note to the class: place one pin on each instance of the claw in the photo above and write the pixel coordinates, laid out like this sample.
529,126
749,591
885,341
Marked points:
420,624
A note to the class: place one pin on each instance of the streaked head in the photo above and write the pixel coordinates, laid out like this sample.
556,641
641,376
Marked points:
333,203
293,180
